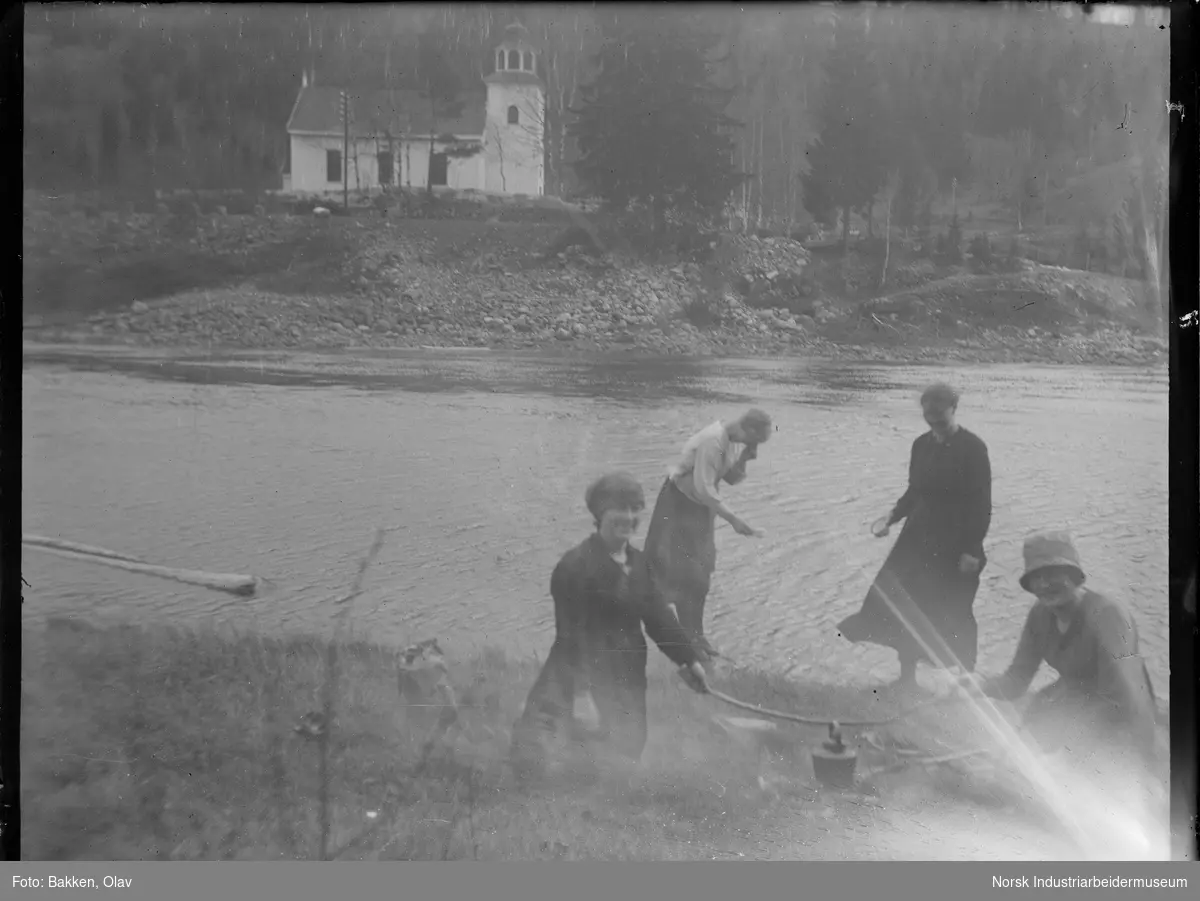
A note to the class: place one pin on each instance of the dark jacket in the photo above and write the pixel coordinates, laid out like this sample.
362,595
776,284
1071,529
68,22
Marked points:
1097,657
948,504
599,645
1102,681
599,614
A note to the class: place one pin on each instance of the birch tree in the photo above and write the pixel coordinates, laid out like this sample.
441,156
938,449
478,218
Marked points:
773,66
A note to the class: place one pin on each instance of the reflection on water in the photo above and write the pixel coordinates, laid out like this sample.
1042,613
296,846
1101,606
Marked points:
479,461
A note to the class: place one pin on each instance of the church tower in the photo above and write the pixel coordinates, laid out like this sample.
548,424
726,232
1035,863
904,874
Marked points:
514,138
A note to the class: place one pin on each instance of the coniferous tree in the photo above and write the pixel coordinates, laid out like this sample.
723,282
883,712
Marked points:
651,128
847,163
981,250
954,240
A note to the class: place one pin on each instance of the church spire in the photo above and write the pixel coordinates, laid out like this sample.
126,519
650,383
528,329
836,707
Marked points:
516,53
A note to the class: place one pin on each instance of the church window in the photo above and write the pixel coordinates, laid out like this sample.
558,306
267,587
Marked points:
513,116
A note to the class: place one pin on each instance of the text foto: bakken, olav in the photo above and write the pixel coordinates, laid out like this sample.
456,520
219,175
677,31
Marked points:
70,882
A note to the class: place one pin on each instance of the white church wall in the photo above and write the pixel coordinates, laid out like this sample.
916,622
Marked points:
515,151
410,165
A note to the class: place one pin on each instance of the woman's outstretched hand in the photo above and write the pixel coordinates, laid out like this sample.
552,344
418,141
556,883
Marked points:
744,528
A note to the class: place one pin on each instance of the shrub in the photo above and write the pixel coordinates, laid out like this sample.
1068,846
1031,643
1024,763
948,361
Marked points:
981,249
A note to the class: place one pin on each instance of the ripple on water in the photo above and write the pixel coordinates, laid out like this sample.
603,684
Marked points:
483,481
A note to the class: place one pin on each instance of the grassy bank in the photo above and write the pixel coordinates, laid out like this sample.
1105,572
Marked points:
149,743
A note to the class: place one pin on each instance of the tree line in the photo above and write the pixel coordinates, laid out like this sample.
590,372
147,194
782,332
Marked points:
768,117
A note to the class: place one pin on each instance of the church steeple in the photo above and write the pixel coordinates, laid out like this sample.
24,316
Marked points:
514,145
516,53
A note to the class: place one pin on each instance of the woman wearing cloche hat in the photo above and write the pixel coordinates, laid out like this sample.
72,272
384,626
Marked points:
1091,641
602,599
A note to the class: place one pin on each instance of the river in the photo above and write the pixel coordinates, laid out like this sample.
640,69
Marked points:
477,462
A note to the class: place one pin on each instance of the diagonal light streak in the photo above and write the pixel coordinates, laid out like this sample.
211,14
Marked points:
985,710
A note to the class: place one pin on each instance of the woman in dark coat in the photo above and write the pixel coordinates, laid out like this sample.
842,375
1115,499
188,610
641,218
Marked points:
928,583
602,599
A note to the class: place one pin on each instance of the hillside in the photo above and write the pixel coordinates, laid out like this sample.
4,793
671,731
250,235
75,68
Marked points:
260,274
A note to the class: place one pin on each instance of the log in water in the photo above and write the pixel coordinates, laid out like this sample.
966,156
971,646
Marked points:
230,583
59,544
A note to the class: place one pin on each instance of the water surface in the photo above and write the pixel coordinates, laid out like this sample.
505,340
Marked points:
478,463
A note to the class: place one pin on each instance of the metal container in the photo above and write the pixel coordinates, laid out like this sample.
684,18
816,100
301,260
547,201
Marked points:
833,762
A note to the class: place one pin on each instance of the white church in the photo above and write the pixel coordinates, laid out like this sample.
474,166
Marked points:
390,133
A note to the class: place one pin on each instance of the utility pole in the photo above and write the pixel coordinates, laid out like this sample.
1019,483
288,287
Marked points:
345,152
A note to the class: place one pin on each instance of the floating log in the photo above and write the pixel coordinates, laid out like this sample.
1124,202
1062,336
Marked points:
40,541
230,583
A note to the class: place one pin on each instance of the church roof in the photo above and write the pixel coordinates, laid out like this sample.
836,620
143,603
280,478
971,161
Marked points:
396,112
515,31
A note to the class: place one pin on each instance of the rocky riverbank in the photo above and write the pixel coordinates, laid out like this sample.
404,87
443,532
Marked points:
234,320
305,282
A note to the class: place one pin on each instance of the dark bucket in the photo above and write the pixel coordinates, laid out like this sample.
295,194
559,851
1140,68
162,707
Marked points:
833,762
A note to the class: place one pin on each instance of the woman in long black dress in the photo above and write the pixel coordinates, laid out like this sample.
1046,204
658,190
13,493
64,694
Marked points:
922,598
602,599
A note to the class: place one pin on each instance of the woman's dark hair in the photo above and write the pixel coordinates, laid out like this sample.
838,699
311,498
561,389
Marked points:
615,489
940,396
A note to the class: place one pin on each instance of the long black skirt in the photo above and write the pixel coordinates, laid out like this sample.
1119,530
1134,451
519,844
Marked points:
920,602
681,555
